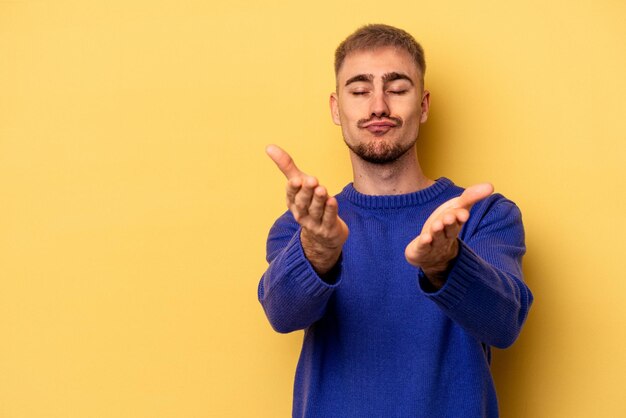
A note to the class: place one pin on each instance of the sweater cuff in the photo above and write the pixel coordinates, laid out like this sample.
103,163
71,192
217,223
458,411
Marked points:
464,271
302,272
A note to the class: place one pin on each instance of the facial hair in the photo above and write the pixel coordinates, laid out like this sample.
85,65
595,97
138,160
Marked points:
380,151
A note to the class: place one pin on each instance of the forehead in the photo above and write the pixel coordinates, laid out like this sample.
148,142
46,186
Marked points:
378,62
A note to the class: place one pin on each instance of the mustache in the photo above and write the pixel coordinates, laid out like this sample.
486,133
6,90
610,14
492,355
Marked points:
364,122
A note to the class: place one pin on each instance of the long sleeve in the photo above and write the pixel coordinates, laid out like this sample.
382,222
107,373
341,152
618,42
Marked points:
291,292
484,292
377,345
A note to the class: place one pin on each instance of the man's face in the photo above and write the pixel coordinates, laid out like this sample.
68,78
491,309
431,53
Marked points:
379,103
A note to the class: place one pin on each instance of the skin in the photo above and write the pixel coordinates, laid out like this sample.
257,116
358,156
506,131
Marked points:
367,91
379,104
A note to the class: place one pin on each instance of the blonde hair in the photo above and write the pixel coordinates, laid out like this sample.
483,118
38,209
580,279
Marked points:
378,35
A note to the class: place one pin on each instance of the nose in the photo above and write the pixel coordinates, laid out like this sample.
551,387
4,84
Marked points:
379,106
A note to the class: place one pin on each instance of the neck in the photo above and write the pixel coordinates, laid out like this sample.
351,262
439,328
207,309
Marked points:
399,177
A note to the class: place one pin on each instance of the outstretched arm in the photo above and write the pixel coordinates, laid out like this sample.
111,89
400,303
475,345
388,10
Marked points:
303,247
323,231
436,247
481,286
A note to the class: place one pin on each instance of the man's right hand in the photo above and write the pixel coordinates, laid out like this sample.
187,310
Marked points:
323,231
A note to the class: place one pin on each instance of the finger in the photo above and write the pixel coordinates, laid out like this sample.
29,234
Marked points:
462,215
437,231
424,239
283,161
452,231
473,194
436,226
316,210
453,220
418,248
449,217
331,211
293,187
412,251
304,195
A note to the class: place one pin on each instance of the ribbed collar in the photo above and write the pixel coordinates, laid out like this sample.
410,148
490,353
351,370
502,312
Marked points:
398,200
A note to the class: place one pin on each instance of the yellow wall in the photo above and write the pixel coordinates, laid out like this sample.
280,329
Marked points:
135,196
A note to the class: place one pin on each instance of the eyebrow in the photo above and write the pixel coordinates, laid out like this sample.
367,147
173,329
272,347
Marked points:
360,77
387,78
396,76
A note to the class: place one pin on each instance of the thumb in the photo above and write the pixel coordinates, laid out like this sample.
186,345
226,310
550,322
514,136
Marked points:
283,161
474,194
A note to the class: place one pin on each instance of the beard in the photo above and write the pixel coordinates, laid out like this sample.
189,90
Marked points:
380,152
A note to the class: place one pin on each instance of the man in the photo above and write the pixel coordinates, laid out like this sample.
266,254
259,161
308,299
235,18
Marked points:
401,283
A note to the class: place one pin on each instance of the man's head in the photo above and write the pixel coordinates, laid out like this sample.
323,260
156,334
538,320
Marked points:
375,36
380,99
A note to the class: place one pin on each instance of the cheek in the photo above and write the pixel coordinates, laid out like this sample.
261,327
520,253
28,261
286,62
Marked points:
412,125
413,116
350,117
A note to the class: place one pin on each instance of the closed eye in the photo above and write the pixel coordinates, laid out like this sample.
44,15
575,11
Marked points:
398,92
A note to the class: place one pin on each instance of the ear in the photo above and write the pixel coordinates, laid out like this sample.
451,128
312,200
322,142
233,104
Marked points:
334,108
425,106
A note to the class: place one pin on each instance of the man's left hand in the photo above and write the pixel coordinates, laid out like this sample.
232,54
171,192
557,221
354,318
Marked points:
437,246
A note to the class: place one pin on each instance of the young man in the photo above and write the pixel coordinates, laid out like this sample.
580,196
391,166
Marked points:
401,283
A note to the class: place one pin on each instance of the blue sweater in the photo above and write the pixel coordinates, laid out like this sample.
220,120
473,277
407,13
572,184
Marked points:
378,342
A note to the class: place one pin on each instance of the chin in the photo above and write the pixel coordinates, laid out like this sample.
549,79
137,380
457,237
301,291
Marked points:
381,152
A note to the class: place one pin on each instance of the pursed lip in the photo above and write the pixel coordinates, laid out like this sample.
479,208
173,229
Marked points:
380,127
380,124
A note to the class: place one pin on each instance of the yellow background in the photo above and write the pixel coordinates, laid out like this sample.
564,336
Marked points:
135,196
